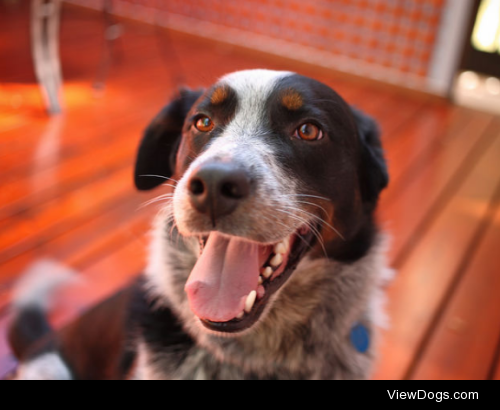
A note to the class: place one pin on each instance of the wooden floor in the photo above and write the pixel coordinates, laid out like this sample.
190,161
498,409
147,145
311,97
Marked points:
66,193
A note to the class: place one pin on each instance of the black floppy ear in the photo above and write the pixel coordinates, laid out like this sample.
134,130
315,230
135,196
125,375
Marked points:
157,151
374,174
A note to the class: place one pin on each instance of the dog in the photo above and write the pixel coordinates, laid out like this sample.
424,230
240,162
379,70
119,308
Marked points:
266,260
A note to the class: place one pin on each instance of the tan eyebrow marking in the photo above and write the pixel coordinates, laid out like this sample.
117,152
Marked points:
292,100
220,95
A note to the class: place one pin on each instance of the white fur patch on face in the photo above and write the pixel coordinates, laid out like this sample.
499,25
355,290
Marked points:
253,88
49,366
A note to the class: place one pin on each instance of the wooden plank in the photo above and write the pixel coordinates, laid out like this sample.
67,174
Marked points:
417,293
78,129
81,218
407,208
41,185
112,106
465,339
406,109
24,232
419,137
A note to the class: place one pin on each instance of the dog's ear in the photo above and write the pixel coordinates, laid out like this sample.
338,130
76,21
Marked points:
373,168
157,151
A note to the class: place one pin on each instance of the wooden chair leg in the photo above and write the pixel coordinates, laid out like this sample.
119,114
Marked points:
45,20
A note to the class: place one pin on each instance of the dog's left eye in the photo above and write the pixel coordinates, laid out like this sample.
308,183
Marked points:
309,132
204,124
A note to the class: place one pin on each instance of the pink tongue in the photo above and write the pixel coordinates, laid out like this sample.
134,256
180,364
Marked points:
226,272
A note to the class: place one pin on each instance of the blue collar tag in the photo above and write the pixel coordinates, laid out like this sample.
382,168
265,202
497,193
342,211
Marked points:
360,338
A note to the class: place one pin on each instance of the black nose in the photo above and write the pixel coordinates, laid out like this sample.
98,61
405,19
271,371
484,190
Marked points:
216,189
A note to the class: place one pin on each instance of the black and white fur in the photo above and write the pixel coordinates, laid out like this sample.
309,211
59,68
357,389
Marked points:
331,186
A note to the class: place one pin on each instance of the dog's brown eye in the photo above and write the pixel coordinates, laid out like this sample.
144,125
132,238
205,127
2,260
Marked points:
204,124
309,132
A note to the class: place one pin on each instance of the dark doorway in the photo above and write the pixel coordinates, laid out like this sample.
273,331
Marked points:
482,49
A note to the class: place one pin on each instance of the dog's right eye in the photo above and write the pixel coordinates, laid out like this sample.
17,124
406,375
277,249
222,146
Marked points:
204,124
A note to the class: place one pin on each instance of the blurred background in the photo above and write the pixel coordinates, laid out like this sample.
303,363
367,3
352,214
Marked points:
81,79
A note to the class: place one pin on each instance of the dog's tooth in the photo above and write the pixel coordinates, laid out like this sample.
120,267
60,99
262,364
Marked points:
261,280
250,301
267,272
277,260
240,316
280,248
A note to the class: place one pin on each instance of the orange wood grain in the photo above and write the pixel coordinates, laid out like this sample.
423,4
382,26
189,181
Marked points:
435,175
51,181
467,335
52,218
418,137
73,133
424,278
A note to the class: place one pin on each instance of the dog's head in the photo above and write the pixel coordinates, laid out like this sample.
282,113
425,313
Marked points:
267,167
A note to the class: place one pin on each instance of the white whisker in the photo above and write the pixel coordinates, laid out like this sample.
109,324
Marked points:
170,185
160,176
305,222
323,222
307,196
161,198
316,217
310,203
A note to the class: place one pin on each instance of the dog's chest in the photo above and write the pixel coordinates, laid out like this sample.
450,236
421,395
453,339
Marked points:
337,361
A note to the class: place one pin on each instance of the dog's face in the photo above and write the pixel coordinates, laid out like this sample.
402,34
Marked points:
267,167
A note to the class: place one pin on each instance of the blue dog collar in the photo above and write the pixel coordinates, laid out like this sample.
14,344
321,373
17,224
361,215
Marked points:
360,338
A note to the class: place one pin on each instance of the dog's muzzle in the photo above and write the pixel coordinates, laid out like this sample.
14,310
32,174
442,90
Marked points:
246,252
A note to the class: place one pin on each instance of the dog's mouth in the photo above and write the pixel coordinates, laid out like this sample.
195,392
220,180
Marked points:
234,279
